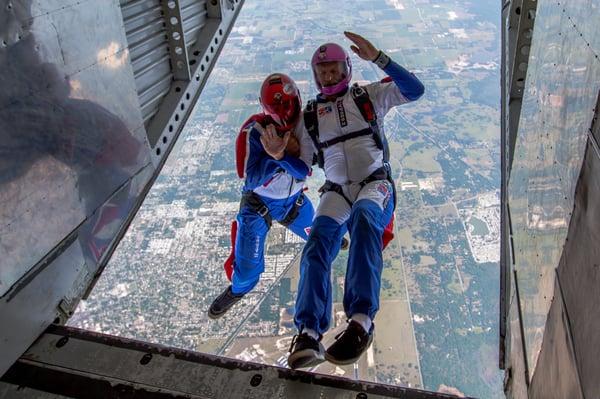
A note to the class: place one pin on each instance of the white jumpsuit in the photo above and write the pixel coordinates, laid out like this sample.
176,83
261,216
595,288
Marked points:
364,212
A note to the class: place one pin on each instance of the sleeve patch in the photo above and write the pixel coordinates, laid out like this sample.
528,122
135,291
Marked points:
387,79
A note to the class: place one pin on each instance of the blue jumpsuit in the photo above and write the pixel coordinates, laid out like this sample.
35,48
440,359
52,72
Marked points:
364,209
278,183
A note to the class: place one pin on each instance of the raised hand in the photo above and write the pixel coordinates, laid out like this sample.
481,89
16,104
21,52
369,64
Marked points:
272,143
363,48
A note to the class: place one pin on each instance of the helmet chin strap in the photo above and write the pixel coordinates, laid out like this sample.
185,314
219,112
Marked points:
335,89
277,119
280,125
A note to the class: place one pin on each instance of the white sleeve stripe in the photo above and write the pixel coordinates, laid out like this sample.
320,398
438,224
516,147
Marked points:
247,152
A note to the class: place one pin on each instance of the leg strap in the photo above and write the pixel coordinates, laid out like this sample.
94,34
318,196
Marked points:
293,213
336,188
251,200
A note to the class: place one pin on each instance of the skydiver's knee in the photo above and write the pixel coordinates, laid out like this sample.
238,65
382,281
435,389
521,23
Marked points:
324,226
366,210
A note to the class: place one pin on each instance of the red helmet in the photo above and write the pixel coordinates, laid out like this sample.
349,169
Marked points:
280,99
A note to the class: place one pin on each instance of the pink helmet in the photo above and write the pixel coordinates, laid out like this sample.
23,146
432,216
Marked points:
331,52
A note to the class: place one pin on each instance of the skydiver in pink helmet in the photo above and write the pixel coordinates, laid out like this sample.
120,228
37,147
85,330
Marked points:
345,123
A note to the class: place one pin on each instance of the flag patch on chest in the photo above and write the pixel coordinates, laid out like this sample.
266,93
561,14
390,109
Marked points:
325,110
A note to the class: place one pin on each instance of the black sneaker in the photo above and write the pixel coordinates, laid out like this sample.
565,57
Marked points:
350,344
305,351
223,303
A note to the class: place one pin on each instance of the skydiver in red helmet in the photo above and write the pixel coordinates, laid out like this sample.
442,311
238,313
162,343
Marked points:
273,156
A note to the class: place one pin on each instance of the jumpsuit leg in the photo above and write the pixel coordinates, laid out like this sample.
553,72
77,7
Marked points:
314,301
249,251
301,225
371,212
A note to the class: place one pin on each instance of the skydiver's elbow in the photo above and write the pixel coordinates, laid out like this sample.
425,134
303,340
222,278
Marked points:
417,92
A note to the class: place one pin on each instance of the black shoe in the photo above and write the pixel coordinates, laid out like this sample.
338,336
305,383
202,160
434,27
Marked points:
223,303
350,344
305,351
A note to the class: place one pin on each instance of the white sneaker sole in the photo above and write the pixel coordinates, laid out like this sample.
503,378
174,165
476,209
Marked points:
344,362
305,358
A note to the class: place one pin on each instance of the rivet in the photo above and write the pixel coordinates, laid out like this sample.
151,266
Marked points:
256,380
146,359
62,342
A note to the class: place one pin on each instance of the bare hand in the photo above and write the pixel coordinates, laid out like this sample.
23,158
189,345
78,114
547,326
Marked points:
272,143
363,48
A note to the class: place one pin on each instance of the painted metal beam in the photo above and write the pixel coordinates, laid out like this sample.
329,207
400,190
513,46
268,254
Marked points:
79,363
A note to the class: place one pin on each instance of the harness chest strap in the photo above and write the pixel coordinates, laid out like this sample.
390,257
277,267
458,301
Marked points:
365,106
367,110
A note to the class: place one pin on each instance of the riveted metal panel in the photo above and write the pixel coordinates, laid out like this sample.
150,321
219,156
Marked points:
579,273
516,378
166,125
69,125
194,15
52,288
23,316
75,160
11,391
70,361
562,82
145,27
512,82
148,27
595,129
556,375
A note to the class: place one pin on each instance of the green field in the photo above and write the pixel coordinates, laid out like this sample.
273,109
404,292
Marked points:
480,228
422,160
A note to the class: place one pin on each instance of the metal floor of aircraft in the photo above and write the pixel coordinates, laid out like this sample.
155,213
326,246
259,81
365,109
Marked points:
71,362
